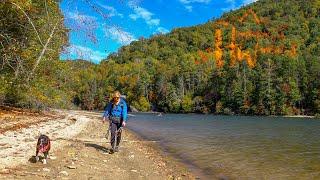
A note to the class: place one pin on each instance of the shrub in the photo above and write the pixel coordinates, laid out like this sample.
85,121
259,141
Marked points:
186,104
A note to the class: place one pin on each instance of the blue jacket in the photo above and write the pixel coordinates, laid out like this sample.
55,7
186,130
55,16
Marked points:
119,110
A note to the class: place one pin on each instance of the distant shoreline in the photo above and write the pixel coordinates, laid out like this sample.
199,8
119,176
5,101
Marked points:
300,116
286,116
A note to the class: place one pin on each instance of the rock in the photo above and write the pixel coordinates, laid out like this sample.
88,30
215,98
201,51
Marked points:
71,167
3,147
29,139
5,171
46,169
53,157
73,119
222,177
64,173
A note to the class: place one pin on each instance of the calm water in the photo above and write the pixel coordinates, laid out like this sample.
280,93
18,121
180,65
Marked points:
237,147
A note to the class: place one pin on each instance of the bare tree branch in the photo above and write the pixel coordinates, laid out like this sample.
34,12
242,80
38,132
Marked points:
4,37
44,48
30,21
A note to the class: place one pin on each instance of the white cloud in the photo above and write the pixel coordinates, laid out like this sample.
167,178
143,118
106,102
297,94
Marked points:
140,12
245,2
112,11
82,52
133,16
194,1
189,8
143,13
153,22
233,5
231,1
119,35
162,30
187,3
80,17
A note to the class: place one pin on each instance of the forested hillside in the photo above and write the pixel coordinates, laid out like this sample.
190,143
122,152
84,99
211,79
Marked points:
262,59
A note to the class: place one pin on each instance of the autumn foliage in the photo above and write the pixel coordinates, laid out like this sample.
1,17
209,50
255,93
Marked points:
236,50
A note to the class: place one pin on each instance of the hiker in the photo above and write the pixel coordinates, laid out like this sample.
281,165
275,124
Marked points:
116,113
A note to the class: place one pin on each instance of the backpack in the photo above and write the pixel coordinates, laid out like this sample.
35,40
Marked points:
122,100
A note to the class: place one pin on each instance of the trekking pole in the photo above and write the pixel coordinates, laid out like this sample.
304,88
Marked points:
115,140
108,131
116,137
122,137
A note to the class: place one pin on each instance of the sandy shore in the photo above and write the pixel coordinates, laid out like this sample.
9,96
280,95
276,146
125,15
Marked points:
80,151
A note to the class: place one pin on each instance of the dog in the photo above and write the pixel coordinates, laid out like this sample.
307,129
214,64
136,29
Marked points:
43,146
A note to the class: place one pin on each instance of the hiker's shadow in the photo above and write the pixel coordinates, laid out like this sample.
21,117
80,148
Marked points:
33,159
97,147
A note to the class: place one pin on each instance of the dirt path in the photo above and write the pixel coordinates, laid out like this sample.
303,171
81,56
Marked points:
85,156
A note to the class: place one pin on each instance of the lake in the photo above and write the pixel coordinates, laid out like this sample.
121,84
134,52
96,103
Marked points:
237,147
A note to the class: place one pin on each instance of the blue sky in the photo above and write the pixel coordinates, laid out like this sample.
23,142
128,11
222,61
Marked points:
100,27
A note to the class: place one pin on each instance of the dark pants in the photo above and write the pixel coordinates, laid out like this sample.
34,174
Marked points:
114,128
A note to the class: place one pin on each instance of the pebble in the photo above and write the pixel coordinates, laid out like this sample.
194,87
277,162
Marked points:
29,139
64,173
46,169
71,167
133,170
53,157
5,171
3,144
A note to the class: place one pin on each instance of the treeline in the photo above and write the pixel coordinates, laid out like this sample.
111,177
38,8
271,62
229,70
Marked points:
169,72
